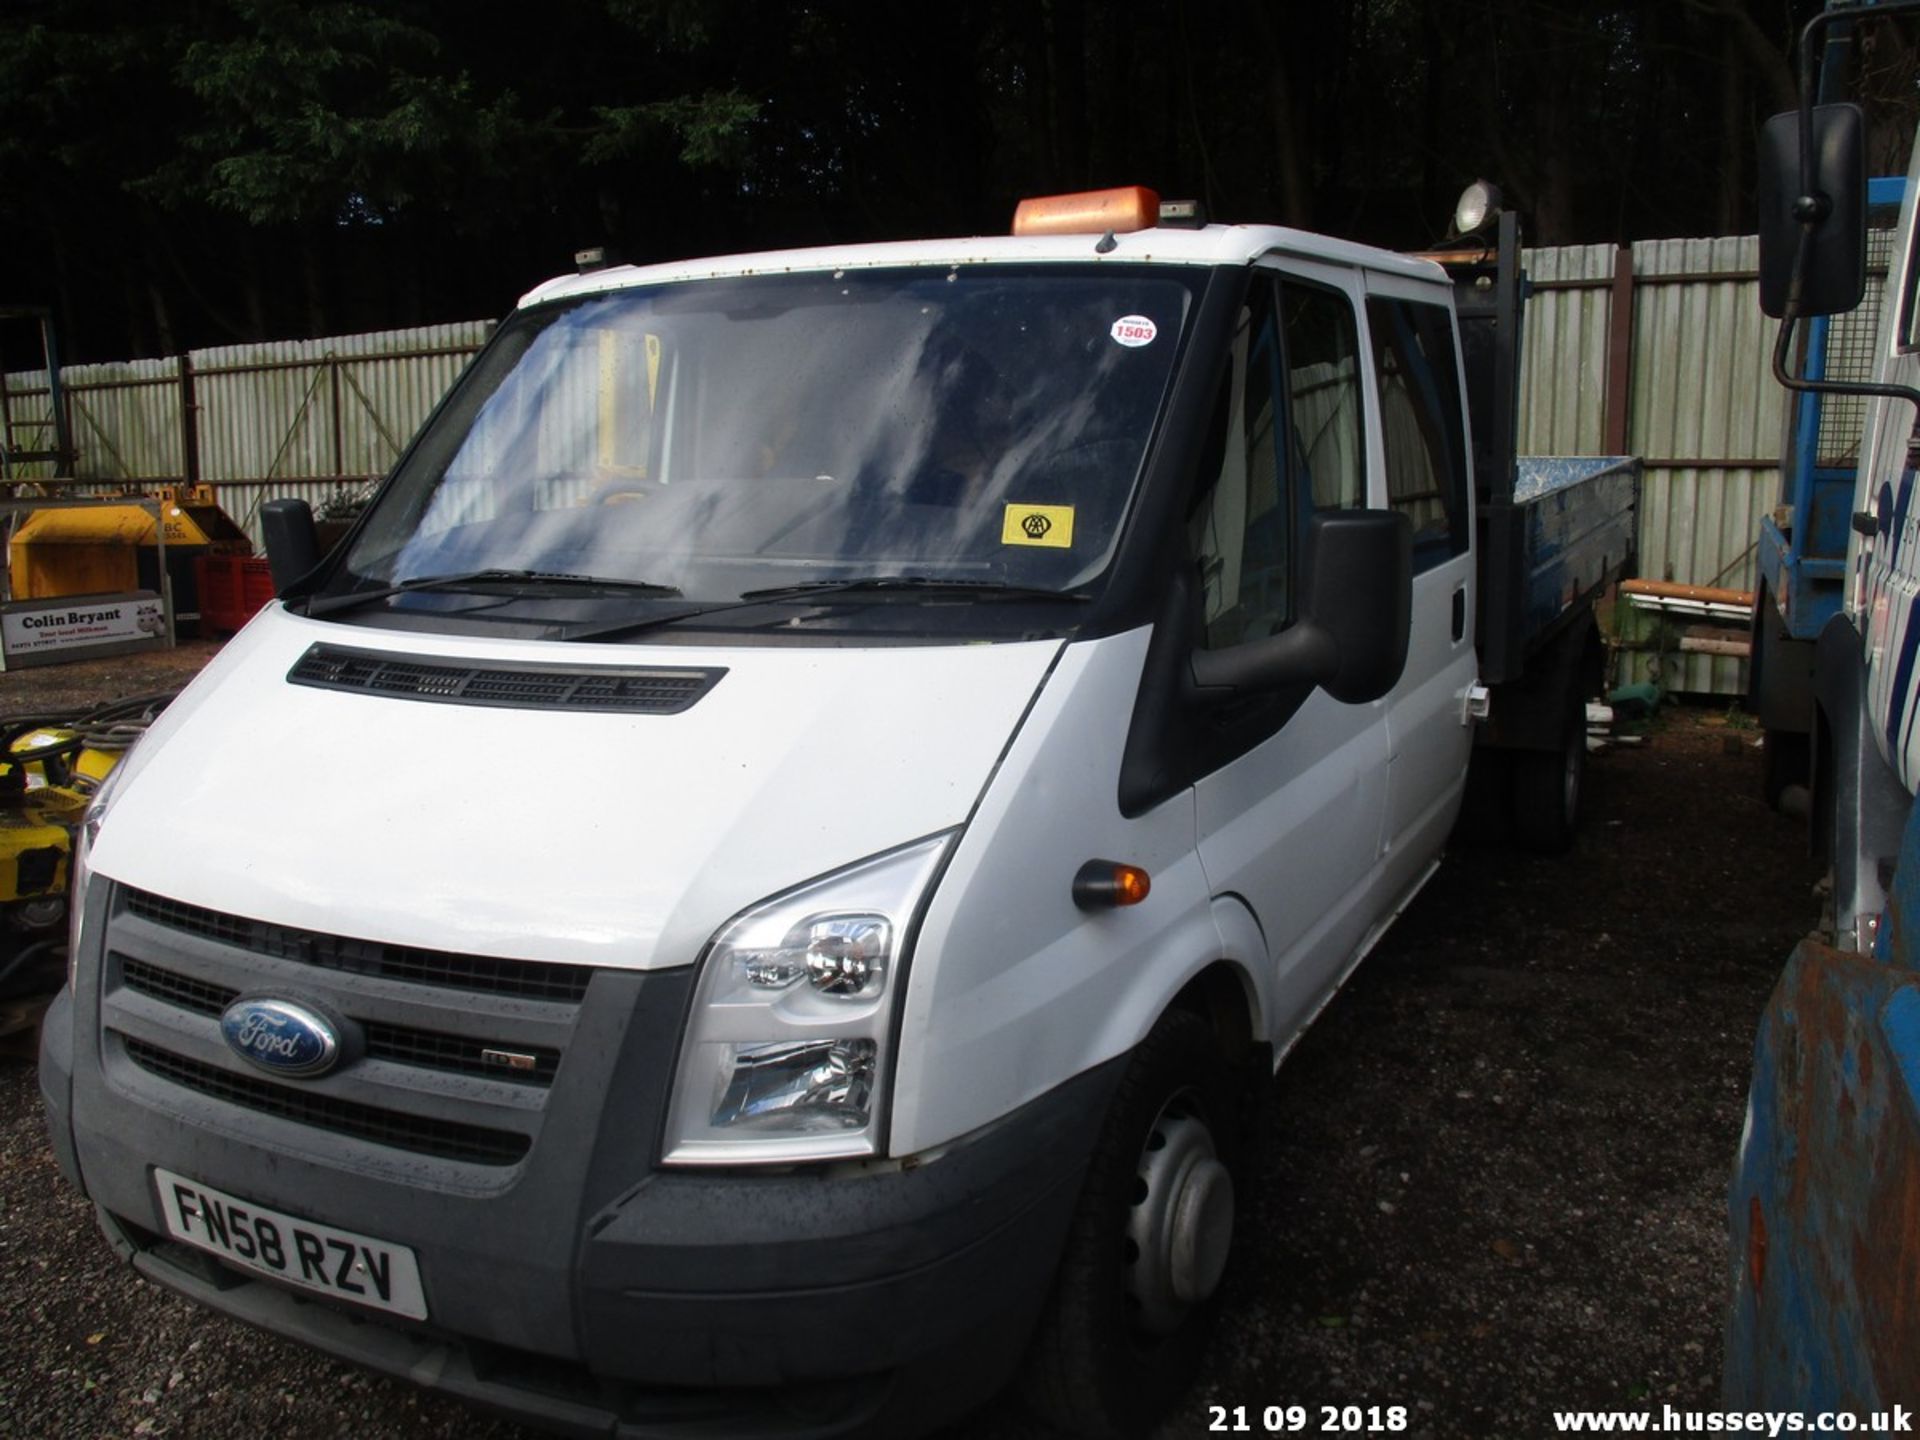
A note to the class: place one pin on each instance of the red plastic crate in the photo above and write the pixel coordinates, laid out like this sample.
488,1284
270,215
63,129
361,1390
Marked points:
232,589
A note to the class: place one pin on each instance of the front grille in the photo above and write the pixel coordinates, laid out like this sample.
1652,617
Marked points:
181,991
524,979
434,1050
443,1139
621,691
401,1044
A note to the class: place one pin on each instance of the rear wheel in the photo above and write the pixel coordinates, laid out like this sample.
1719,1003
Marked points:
1132,1306
1779,671
1547,786
1784,763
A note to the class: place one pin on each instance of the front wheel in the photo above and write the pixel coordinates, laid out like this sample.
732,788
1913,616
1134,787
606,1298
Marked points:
1132,1306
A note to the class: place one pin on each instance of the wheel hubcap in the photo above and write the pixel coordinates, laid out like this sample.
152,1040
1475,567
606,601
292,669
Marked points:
1181,1223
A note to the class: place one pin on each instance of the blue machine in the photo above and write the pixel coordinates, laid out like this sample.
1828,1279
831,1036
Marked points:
1802,547
1803,559
1824,1208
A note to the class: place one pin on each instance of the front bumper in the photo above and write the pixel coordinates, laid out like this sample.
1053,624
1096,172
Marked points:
577,1287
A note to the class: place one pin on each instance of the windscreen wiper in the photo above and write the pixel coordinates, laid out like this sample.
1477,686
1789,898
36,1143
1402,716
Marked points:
917,584
543,579
820,589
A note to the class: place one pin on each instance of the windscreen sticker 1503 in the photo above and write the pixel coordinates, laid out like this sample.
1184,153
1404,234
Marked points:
1133,331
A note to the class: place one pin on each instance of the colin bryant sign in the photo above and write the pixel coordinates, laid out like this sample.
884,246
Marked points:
39,631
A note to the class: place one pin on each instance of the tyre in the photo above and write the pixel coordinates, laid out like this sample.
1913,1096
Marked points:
1773,664
1546,789
1785,763
1133,1303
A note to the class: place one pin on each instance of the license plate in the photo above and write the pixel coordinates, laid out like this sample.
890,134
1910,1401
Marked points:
333,1262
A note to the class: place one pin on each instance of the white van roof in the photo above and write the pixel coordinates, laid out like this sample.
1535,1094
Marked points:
1167,245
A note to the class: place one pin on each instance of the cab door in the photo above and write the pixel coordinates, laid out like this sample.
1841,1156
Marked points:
1421,463
1291,795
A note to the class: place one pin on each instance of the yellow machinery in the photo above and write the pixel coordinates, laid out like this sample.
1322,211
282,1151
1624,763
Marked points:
49,771
101,549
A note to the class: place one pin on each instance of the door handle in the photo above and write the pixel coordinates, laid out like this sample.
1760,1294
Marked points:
1459,613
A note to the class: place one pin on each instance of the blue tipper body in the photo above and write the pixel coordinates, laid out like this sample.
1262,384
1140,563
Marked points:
1824,1210
1578,527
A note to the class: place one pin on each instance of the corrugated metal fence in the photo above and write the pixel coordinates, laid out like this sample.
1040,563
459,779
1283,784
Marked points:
311,418
1660,351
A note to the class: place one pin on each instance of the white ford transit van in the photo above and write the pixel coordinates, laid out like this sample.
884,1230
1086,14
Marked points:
758,886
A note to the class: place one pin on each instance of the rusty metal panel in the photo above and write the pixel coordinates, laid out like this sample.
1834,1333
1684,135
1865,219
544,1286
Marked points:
1825,1254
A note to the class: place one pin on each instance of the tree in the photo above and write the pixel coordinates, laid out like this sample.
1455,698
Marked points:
166,171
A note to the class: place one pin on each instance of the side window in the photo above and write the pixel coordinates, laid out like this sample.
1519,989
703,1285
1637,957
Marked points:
1240,534
1323,385
1421,430
1291,445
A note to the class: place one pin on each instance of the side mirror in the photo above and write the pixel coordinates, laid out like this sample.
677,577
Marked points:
1350,634
293,545
1831,212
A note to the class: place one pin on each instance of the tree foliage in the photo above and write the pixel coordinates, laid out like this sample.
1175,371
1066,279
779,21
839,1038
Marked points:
310,109
207,170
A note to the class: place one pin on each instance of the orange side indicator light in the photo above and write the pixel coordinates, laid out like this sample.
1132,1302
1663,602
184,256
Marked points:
1103,884
1089,212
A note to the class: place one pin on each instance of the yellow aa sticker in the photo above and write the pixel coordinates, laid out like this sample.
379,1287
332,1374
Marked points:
1050,525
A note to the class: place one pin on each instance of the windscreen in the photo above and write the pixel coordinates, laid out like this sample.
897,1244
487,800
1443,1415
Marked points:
979,423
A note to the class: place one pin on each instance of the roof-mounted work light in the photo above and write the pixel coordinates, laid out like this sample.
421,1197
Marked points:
1089,212
1478,206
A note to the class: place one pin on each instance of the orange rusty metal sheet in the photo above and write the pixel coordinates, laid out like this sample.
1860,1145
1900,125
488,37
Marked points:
1824,1210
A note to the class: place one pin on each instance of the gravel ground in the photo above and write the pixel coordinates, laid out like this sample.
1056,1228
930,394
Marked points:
1494,1179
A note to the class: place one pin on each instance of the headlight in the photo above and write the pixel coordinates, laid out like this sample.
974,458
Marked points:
80,864
792,1021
